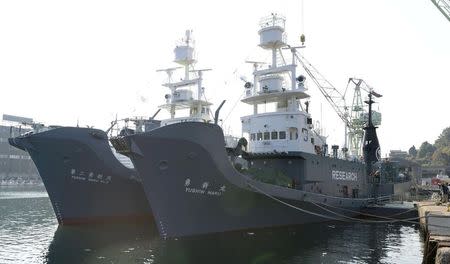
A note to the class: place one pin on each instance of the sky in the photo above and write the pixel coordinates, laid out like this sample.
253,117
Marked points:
63,62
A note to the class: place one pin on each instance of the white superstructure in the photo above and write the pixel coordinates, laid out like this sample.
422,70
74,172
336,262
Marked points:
289,127
188,93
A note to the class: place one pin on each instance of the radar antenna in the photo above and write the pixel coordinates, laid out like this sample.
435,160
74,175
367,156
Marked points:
169,72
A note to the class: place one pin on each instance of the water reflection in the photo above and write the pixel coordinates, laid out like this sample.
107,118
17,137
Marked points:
315,243
26,224
29,234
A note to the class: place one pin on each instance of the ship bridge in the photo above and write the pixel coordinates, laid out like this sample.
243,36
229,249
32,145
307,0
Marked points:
289,128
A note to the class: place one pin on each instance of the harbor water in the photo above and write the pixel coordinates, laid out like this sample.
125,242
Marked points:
29,233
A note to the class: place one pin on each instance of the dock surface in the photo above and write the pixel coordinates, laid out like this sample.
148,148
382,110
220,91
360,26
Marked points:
435,222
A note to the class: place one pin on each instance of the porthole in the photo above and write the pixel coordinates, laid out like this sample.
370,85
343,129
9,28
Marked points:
163,164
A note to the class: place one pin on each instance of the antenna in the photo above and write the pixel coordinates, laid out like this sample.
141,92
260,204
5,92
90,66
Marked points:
169,72
168,69
256,62
200,70
188,36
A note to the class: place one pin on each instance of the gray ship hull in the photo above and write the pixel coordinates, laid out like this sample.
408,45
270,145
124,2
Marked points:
84,180
193,188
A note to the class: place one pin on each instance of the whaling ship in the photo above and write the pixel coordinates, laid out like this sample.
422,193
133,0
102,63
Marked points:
87,181
194,187
84,180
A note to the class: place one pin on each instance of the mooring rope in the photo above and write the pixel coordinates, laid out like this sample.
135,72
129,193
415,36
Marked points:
293,206
371,215
391,220
352,219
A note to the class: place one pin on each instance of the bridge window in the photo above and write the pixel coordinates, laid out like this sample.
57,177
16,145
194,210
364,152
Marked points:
266,135
259,136
252,137
282,134
274,135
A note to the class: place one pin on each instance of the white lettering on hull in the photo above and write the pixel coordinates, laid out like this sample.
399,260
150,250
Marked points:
344,175
89,177
203,190
200,191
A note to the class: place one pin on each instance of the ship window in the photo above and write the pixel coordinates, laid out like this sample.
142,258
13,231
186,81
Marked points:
252,137
274,135
259,136
266,135
282,134
312,140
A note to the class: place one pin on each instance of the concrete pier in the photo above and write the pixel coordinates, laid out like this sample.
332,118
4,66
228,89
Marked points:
435,222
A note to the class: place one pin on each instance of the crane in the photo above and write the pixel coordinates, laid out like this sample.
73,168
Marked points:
359,115
354,117
443,6
331,94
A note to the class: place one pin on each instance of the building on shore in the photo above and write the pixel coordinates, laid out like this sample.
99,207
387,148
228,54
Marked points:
16,166
408,170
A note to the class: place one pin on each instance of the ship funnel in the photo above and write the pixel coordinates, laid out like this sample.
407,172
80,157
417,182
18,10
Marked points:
216,115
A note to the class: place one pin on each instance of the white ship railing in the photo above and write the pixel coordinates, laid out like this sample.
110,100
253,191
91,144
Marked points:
272,21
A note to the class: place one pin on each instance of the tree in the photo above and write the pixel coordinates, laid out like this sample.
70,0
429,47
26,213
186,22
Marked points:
426,150
443,139
412,151
441,157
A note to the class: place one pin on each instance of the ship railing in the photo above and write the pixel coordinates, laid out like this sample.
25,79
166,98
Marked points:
201,118
137,124
272,21
25,130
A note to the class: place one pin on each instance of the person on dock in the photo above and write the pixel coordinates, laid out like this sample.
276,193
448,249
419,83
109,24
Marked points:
444,187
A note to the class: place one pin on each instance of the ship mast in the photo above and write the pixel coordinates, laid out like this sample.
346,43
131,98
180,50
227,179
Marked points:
371,146
181,94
